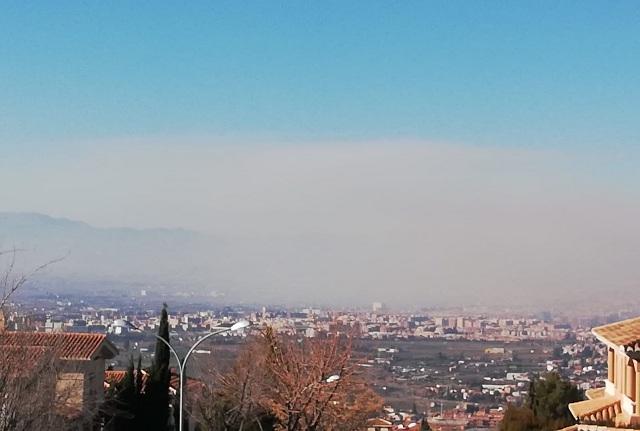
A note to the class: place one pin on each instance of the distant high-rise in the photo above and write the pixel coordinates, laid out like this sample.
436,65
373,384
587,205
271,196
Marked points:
376,306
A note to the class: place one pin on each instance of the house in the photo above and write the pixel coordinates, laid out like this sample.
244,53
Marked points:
378,424
78,361
115,377
617,405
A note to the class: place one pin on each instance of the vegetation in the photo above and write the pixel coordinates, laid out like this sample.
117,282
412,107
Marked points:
123,406
288,384
547,406
12,281
31,397
275,383
135,404
519,419
28,392
156,400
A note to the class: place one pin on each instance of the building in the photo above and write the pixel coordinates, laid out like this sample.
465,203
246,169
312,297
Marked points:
617,405
78,361
378,424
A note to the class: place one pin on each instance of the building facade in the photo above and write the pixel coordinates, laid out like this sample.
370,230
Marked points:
617,405
77,365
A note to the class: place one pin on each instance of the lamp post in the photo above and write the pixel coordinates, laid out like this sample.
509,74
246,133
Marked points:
331,379
182,362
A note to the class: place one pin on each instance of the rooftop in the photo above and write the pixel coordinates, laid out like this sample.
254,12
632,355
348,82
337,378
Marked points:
68,345
623,333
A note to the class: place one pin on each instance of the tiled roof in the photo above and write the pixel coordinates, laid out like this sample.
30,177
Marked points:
31,359
113,377
379,422
67,345
192,384
624,333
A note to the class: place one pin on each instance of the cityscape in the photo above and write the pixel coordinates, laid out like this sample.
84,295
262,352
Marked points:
451,369
320,216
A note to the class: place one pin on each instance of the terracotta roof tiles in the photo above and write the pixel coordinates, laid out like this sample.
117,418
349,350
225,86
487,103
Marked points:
67,345
115,377
623,333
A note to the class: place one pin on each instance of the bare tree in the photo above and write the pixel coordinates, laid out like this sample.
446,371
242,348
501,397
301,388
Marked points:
10,280
315,384
32,394
289,384
230,400
37,392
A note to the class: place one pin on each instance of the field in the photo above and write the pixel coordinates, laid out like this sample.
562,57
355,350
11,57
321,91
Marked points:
416,373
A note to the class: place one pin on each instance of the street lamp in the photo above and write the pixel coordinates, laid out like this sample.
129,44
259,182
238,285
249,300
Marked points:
333,378
182,362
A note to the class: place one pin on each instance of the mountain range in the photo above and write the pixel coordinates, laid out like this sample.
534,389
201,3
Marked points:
158,257
116,261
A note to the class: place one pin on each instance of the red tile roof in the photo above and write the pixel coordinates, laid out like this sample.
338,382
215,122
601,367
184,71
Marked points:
192,384
67,345
30,359
115,377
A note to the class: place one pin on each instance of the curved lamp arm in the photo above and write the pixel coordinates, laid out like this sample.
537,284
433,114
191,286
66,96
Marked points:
235,327
175,354
182,363
157,337
197,343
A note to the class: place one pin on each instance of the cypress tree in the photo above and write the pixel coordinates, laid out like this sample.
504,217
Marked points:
532,395
156,405
162,353
139,383
122,403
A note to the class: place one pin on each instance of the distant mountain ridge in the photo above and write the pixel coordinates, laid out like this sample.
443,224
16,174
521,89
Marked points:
117,261
31,219
156,256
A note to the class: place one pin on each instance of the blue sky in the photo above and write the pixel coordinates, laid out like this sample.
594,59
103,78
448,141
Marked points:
534,74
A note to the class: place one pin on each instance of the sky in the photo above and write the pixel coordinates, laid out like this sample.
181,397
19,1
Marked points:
485,146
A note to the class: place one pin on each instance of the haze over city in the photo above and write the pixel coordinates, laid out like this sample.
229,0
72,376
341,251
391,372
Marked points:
336,154
320,216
